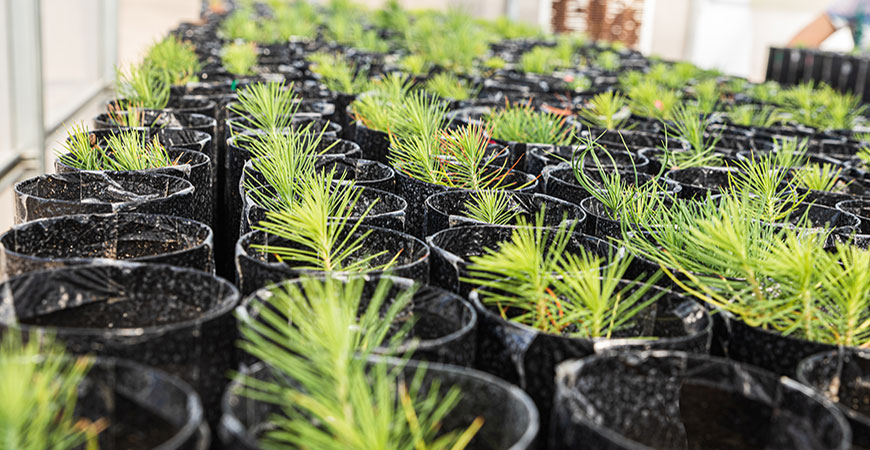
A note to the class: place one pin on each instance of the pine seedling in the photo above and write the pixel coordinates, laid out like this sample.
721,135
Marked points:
268,106
648,99
143,85
239,59
493,207
818,177
39,385
448,85
764,116
531,280
608,61
707,95
520,271
690,124
606,110
176,58
538,60
522,123
282,159
338,74
324,386
414,64
130,116
129,150
320,228
80,150
628,202
762,187
594,301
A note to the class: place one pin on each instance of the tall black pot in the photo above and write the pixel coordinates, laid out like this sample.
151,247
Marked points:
103,192
87,238
175,319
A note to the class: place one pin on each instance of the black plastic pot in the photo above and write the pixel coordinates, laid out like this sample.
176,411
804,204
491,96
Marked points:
560,182
540,156
187,164
415,192
375,144
659,399
146,408
387,210
600,223
768,349
231,207
841,376
448,209
697,182
174,319
161,119
197,141
237,125
102,192
86,238
256,268
444,324
528,357
452,249
510,417
822,219
860,208
363,172
189,104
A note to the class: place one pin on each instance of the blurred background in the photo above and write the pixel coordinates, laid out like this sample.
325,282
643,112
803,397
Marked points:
58,58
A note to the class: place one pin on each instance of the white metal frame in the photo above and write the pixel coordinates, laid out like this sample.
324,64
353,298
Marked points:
23,38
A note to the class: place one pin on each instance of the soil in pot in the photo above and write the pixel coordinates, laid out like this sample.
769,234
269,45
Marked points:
821,219
103,192
195,104
675,400
859,208
387,210
146,408
453,248
415,192
444,324
697,182
257,268
450,209
82,239
158,119
529,357
187,164
510,417
174,319
560,182
540,156
363,172
600,221
841,376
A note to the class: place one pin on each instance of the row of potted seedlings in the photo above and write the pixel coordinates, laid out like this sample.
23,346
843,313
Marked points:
492,237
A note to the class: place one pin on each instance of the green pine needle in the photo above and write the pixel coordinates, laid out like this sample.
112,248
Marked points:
143,85
176,58
334,387
522,123
239,59
39,387
493,207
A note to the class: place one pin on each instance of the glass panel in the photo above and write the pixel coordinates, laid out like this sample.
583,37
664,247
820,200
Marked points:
70,33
